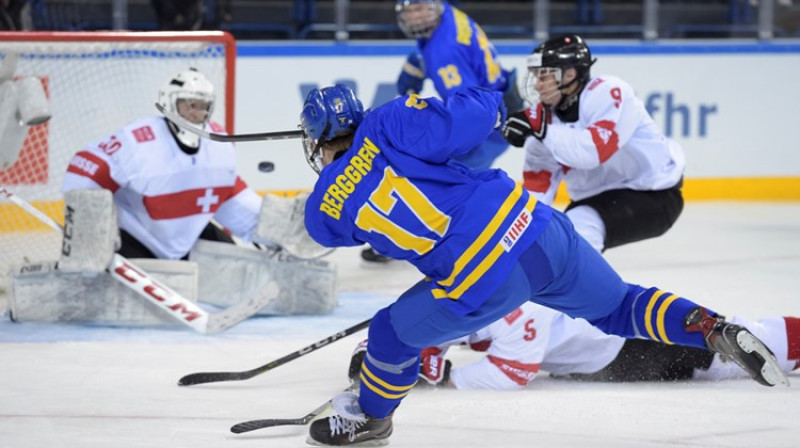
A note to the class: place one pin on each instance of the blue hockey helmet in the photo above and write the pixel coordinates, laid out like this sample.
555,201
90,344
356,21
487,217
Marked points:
418,18
328,113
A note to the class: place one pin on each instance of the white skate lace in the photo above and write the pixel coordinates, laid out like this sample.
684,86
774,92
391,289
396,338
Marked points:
346,405
343,425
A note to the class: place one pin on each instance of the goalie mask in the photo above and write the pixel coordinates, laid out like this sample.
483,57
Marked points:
190,95
554,57
328,113
418,18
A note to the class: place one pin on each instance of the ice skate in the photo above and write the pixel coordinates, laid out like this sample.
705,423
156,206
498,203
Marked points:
738,344
349,426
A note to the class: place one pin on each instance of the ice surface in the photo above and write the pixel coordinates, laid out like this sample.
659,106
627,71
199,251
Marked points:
97,387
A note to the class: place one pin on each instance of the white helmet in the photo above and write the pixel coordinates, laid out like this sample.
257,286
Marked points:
187,85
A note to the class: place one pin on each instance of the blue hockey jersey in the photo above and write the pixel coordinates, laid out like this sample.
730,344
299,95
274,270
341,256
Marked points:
398,189
457,55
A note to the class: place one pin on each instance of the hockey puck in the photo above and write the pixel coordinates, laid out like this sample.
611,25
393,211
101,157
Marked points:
266,167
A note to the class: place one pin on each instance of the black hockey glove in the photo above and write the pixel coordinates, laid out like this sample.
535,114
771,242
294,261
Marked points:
523,124
412,76
356,359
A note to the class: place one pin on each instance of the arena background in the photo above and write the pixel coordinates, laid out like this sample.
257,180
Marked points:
716,98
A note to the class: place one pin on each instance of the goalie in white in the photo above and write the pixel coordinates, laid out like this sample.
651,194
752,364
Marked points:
168,184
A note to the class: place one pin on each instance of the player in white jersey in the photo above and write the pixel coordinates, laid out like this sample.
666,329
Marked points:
534,338
623,175
167,182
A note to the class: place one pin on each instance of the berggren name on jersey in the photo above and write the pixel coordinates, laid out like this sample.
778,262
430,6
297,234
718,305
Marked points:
337,192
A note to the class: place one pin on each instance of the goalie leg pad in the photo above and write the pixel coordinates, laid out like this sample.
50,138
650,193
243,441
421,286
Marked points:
230,274
91,234
41,293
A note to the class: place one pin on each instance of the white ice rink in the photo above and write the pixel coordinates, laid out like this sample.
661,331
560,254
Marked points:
78,387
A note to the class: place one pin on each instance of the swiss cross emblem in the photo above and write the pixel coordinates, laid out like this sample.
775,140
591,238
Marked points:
144,134
207,200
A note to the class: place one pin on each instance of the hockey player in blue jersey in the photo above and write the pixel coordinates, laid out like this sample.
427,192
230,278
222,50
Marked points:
454,52
388,178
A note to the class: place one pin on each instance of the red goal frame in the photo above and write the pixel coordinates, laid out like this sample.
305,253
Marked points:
221,37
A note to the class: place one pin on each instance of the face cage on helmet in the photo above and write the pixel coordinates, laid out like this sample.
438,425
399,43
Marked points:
174,97
534,73
421,28
313,152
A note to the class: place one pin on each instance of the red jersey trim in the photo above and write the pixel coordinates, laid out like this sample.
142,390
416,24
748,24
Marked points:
605,138
793,339
481,346
594,84
86,164
512,316
238,186
144,134
187,203
516,371
538,181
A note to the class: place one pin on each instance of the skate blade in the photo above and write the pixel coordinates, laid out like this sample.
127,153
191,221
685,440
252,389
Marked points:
770,371
374,442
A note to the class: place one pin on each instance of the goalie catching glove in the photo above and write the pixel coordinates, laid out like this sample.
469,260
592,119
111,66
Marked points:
525,123
282,223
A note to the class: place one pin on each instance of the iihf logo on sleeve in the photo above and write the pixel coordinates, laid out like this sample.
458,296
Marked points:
516,229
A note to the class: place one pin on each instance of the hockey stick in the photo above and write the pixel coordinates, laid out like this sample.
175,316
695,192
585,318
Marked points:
182,309
253,425
187,126
153,291
214,377
30,209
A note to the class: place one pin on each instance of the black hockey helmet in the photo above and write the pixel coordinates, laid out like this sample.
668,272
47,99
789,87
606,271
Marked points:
563,52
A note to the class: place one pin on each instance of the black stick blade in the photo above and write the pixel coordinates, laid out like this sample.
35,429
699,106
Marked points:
253,425
211,377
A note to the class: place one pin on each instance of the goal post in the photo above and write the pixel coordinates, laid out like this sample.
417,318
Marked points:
95,83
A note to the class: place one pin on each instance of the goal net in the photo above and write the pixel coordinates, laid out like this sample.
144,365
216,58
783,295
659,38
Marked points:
95,83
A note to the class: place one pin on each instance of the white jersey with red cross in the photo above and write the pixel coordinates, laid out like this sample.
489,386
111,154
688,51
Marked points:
614,144
164,196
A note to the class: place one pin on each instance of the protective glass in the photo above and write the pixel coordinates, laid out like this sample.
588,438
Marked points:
195,110
548,79
418,19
